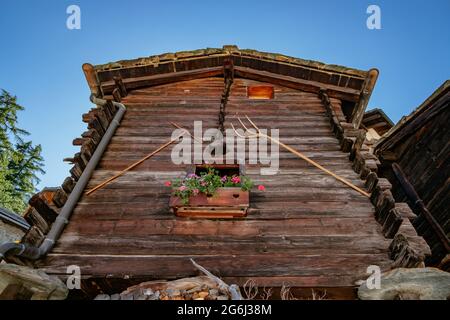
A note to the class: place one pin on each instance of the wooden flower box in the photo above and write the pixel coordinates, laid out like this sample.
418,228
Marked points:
225,203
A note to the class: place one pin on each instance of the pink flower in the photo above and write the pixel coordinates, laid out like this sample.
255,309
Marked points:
195,191
203,183
224,179
167,183
182,188
235,179
261,187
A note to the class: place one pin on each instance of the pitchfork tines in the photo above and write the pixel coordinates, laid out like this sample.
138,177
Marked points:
250,133
247,132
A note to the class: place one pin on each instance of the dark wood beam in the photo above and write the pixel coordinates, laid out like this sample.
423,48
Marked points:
333,91
358,112
412,195
228,77
414,123
147,81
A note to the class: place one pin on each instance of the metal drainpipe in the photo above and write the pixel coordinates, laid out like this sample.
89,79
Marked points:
34,253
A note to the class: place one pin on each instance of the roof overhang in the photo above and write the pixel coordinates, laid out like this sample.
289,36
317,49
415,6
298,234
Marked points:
378,120
347,84
13,219
408,125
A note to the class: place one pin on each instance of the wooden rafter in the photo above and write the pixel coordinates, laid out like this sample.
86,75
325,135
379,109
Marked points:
146,81
299,84
363,100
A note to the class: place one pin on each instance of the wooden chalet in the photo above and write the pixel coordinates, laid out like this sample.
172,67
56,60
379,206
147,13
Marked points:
415,157
306,230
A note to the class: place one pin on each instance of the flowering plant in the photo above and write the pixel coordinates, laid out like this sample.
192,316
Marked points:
207,182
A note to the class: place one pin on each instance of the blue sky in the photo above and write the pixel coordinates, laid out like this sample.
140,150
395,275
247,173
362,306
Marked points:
40,59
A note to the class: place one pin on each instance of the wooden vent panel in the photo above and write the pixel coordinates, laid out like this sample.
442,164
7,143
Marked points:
260,92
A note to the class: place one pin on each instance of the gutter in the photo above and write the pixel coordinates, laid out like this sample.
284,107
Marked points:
34,253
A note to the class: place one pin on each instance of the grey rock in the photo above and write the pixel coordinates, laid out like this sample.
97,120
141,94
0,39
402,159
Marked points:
102,297
115,296
147,292
37,283
126,296
214,292
173,292
154,296
195,289
409,284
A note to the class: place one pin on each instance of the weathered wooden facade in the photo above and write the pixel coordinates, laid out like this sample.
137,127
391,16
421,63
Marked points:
415,157
307,230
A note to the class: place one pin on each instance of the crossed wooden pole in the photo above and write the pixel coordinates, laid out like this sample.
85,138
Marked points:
148,156
247,135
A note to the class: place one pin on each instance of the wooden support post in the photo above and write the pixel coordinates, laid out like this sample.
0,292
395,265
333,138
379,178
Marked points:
33,237
116,95
92,80
121,86
366,92
76,171
111,107
35,219
371,181
228,78
95,124
43,206
102,118
77,159
408,252
93,135
68,185
59,198
392,224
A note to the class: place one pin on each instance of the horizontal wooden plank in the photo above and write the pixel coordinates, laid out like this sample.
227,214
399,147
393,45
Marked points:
239,227
162,267
73,243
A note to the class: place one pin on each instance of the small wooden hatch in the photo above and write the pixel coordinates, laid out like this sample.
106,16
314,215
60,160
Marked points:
260,92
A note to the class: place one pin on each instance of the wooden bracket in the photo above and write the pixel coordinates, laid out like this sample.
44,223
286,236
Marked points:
366,92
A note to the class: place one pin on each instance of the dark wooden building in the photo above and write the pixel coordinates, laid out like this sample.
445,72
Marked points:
307,230
415,157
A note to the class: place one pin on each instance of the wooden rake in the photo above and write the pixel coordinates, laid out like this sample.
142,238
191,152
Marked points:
249,133
148,156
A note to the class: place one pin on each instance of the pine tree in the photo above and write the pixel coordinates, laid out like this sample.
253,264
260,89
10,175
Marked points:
20,161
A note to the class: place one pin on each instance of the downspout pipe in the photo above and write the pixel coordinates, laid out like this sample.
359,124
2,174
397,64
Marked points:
34,253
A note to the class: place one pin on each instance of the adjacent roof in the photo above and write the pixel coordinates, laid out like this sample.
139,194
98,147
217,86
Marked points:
13,218
424,113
